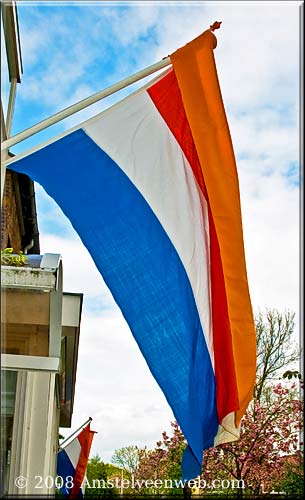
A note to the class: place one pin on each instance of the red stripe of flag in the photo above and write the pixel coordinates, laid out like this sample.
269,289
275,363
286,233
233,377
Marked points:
167,98
85,439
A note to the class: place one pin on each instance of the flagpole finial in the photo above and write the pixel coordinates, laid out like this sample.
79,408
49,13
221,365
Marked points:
215,25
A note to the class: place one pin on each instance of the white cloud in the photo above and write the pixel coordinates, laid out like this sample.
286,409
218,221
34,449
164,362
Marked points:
271,228
34,39
257,57
115,387
80,273
128,25
271,145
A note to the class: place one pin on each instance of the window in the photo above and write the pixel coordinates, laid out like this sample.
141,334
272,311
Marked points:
8,397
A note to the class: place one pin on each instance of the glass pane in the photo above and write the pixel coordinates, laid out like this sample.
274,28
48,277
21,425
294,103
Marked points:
8,396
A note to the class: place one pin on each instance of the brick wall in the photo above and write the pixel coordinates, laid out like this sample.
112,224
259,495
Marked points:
10,227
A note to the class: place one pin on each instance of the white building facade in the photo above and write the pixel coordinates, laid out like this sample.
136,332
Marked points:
40,324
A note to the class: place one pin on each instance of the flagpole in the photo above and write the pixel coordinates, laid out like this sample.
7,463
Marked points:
84,103
75,432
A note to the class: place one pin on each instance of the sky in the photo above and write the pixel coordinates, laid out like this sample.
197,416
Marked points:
73,49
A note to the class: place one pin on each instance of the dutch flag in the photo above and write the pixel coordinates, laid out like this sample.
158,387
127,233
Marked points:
72,462
151,187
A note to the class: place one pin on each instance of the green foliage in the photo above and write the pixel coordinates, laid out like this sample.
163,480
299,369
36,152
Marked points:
292,483
272,424
59,494
8,258
127,458
275,349
98,473
164,463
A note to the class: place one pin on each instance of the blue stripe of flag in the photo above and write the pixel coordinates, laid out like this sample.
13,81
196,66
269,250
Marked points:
142,270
